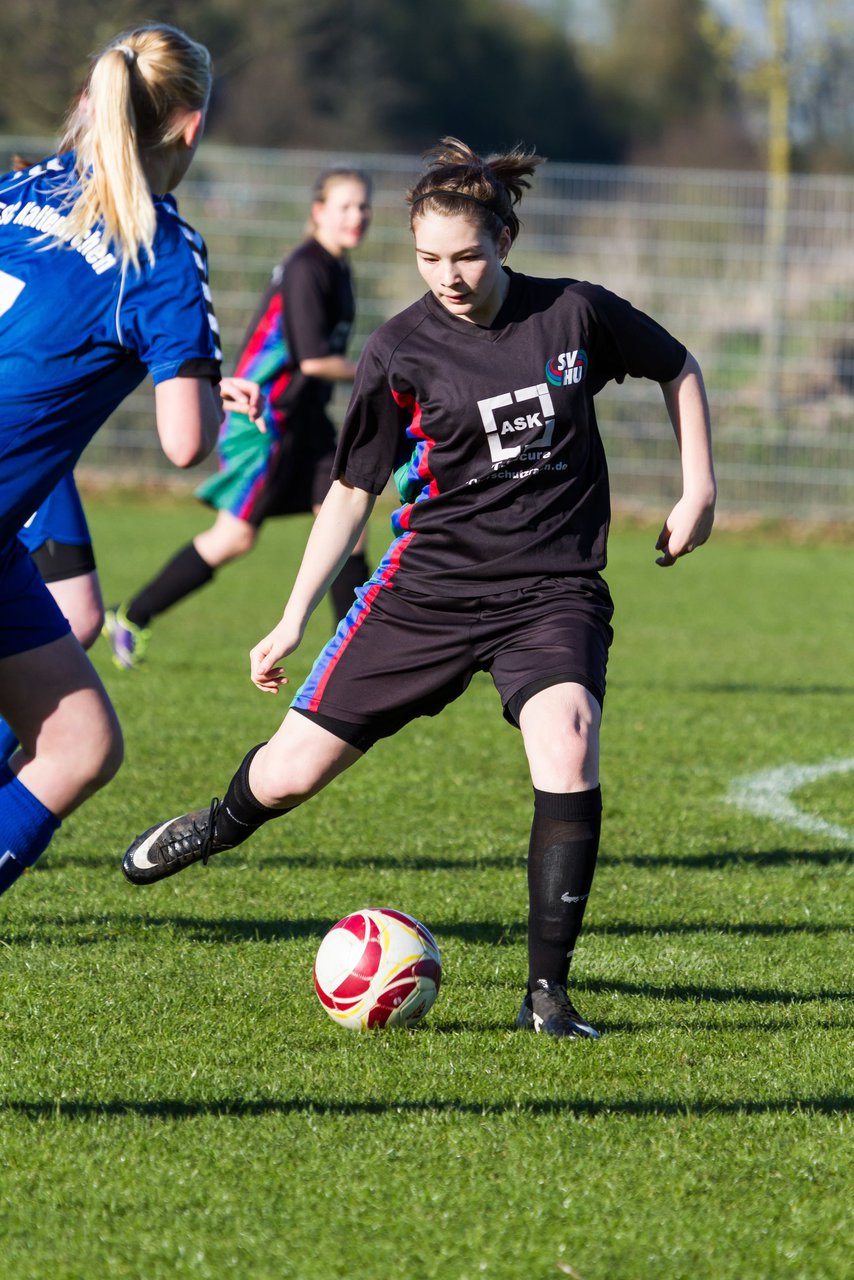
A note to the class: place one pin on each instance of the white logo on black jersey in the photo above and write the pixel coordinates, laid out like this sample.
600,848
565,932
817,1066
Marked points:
510,433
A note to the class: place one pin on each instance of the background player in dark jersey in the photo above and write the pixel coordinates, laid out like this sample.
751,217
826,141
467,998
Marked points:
498,549
295,350
87,225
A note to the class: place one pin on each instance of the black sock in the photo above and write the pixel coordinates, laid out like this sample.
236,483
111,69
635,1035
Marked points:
184,574
240,814
561,861
343,590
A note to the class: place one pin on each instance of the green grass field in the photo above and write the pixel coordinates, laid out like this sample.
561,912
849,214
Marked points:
175,1103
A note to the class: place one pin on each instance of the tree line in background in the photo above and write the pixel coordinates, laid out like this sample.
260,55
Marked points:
660,82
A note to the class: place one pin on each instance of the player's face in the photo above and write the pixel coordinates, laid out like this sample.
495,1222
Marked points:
462,265
343,217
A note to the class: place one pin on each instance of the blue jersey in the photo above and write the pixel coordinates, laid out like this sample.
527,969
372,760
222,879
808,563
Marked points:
60,518
79,332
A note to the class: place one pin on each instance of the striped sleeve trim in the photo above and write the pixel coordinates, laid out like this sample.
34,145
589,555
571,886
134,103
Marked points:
200,257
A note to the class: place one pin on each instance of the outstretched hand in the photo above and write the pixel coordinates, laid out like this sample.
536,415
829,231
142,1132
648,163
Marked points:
687,527
240,395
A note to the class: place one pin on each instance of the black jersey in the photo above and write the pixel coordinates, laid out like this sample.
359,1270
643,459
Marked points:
306,313
507,474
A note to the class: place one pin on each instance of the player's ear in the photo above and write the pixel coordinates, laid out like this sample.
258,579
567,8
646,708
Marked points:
192,131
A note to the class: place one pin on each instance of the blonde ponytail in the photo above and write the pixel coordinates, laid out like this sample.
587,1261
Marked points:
134,100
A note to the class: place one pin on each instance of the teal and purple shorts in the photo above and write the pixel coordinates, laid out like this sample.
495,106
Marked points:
283,471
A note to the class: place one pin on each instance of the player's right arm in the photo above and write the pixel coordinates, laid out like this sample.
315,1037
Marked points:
335,532
188,413
331,368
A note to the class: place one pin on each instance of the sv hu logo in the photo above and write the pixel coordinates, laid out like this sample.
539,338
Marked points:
567,368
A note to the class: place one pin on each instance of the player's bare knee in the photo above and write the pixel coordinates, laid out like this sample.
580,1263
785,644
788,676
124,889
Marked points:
284,788
87,627
286,793
101,760
241,539
113,758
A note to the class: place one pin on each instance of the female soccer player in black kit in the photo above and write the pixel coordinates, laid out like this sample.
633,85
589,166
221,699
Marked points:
498,549
279,464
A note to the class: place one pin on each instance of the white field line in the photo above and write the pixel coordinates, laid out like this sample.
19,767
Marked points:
768,794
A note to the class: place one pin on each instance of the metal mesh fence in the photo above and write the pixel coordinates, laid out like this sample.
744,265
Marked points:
760,289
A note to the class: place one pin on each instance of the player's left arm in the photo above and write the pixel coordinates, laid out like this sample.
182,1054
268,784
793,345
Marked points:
690,522
188,413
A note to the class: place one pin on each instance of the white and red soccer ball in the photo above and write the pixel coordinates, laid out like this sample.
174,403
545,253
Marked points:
377,968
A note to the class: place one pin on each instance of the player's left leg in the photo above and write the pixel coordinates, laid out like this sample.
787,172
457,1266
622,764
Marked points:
560,729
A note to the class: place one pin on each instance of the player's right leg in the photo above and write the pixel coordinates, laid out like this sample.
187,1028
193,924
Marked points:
390,660
71,745
80,600
275,777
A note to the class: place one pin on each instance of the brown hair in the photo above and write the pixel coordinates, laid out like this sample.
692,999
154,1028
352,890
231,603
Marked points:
133,101
458,182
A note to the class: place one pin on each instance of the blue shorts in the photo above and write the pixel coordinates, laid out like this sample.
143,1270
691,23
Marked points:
60,518
29,615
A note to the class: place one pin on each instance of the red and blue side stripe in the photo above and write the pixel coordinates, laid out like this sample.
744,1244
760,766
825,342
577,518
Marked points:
417,481
418,477
308,697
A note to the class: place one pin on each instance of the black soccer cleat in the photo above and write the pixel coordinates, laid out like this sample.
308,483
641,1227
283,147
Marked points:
170,847
548,1010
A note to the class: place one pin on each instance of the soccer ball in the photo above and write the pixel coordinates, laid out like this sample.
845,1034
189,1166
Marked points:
377,968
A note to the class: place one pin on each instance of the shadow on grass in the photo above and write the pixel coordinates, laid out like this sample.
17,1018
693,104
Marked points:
178,1109
714,860
717,861
224,932
57,931
699,991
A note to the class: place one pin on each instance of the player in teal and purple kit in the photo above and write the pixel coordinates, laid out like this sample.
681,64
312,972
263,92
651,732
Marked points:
101,282
296,350
498,550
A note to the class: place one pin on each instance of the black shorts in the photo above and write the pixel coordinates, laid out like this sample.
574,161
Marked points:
298,480
57,561
399,655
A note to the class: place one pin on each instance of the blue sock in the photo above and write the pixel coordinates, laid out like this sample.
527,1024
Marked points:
8,741
26,828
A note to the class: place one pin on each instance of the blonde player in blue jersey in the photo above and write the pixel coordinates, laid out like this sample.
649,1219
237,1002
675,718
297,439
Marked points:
498,550
101,283
295,348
